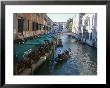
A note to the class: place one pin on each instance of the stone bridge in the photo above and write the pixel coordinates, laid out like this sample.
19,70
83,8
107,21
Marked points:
67,33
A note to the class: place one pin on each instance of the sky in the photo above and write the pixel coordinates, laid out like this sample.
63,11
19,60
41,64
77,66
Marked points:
59,17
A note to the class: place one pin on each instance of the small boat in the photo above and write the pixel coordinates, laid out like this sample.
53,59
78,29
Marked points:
62,57
59,43
61,60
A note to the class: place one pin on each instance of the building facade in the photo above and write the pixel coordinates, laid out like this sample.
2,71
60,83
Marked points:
29,24
55,27
49,24
77,25
90,29
85,28
59,26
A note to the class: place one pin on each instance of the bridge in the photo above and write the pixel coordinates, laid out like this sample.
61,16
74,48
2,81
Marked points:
67,33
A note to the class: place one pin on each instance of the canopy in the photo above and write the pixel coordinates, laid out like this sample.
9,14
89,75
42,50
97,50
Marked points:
48,35
36,41
22,49
45,38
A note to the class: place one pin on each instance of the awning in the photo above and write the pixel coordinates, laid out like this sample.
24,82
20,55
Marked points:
20,50
45,38
36,41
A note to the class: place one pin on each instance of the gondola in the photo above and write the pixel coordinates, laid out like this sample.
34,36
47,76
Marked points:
59,43
62,59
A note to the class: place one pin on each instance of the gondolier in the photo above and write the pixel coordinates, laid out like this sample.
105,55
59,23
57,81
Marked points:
59,52
60,43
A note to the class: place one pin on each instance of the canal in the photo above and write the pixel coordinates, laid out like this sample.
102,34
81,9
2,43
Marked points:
83,60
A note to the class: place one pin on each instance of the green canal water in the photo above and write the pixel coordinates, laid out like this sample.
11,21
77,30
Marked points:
83,60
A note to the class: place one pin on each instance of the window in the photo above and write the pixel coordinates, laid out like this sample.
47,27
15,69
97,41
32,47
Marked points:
46,27
36,26
39,26
20,25
28,25
33,26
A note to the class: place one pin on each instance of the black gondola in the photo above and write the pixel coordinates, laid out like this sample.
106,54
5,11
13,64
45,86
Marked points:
59,43
63,57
